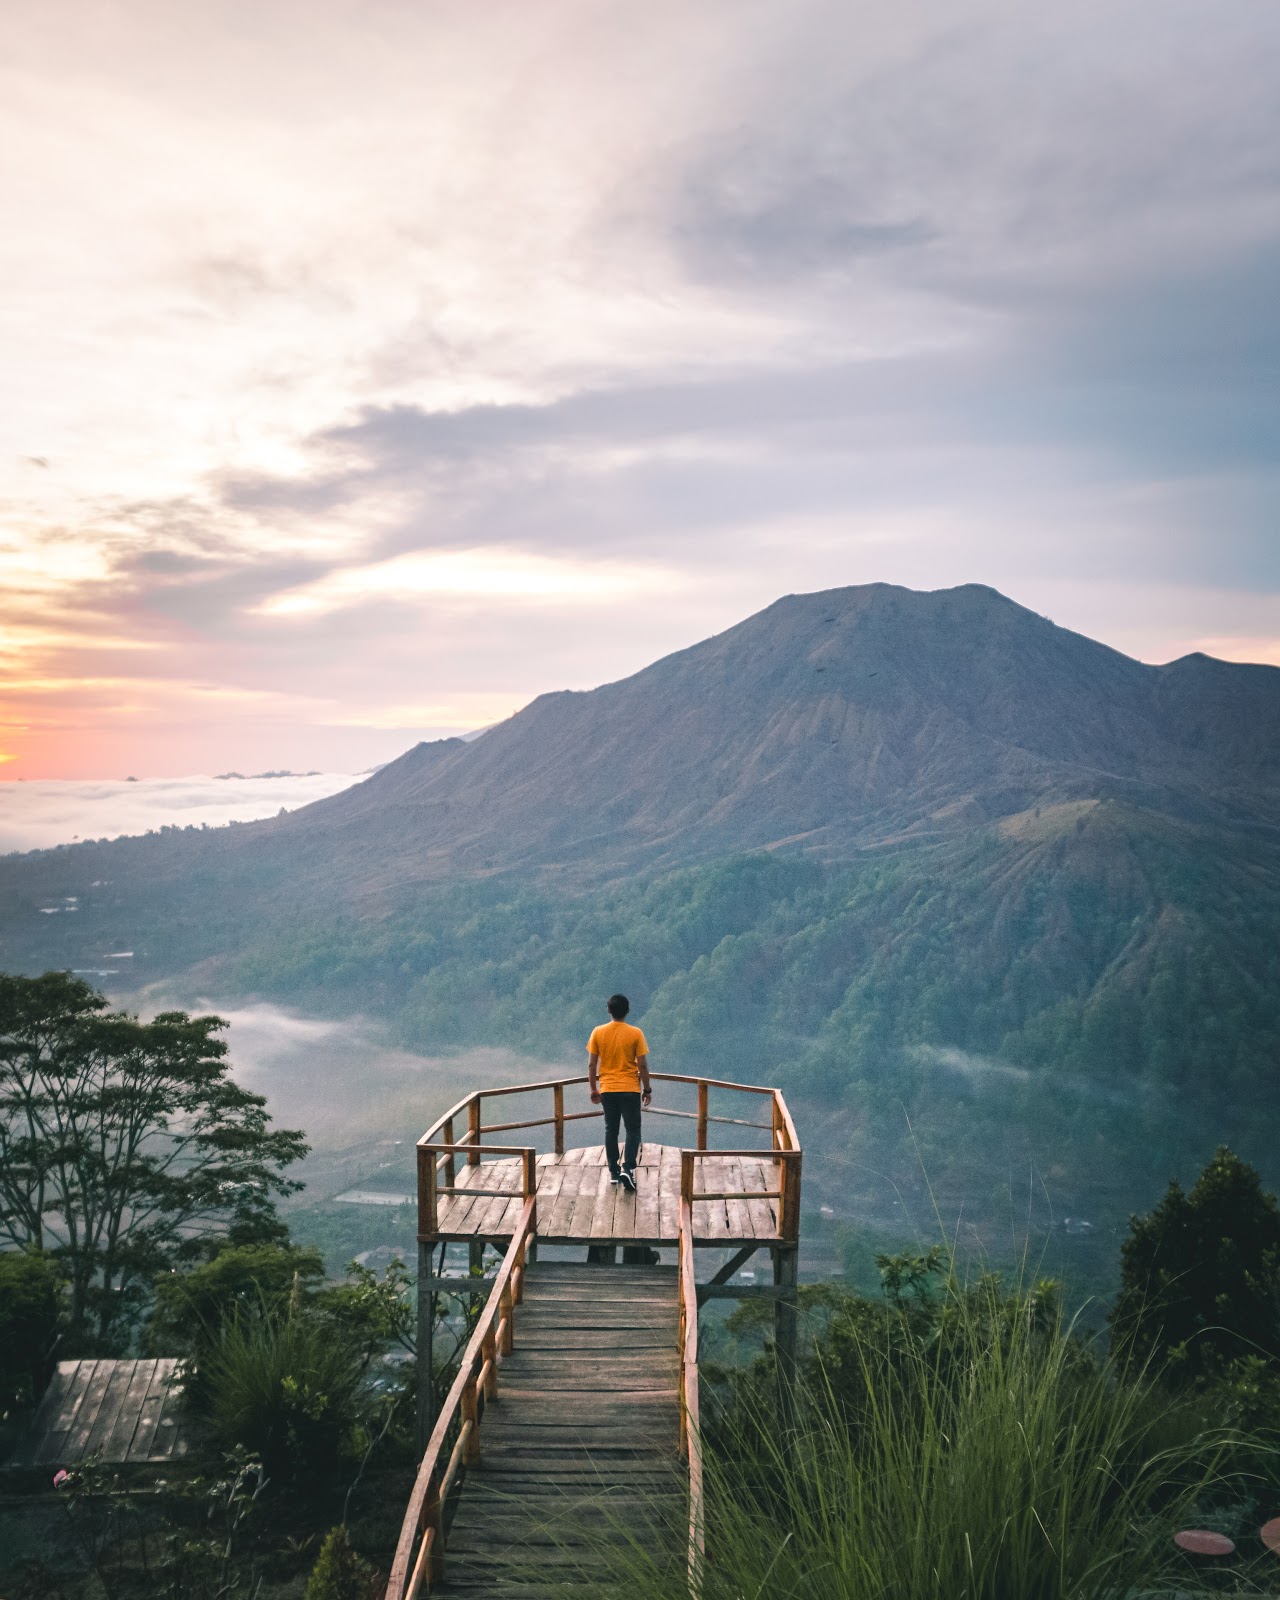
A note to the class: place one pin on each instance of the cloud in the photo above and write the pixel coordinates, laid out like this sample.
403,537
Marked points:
42,812
369,363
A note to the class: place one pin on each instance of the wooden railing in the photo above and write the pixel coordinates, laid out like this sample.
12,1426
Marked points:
690,1418
419,1558
439,1149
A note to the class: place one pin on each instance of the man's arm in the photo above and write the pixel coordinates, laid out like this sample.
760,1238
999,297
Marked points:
593,1061
646,1088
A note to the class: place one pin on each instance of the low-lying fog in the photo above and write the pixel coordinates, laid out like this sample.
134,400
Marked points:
341,1081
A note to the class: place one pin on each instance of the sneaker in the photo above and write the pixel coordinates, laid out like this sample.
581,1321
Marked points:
628,1180
613,1177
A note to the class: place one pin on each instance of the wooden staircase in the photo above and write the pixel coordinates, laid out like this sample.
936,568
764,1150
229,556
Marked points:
580,1446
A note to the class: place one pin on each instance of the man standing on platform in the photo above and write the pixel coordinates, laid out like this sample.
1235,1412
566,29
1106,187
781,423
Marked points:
618,1067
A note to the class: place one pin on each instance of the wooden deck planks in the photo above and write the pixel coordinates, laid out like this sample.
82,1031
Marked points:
579,1450
577,1204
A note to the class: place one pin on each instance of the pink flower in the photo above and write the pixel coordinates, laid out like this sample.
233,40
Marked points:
60,1477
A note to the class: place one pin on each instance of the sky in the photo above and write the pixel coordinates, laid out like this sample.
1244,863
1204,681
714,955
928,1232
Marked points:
369,368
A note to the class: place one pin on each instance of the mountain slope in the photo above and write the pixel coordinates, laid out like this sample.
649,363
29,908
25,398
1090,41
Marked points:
828,723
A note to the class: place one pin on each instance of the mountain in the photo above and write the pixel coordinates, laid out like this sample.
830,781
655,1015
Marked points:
928,859
829,723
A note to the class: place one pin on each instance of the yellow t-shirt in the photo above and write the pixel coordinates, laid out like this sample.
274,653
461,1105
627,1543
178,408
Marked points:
618,1045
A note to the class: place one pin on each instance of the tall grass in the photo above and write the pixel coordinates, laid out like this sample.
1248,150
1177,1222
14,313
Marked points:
980,1454
285,1387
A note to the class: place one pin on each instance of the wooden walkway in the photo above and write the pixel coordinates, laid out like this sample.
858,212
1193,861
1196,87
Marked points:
579,1452
577,1204
571,1426
118,1411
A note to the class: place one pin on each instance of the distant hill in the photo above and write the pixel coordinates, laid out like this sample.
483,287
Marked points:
921,852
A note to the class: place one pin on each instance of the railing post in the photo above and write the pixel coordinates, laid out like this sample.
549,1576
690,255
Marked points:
558,1094
426,1192
471,1413
789,1204
473,1126
531,1186
517,1277
687,1159
433,1517
702,1115
489,1353
450,1168
505,1318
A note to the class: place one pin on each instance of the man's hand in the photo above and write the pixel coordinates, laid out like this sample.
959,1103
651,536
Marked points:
646,1097
595,1097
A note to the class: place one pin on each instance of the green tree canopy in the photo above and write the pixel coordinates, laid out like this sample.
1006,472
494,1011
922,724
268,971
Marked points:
125,1146
1201,1274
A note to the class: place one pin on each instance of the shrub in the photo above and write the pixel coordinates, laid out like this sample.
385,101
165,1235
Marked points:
339,1574
31,1293
285,1387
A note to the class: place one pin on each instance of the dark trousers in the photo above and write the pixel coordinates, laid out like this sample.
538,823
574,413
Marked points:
621,1108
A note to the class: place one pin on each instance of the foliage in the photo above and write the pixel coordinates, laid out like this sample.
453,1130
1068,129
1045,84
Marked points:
183,1537
283,1386
339,1574
124,1146
30,1307
954,1440
190,1305
374,1312
1201,1276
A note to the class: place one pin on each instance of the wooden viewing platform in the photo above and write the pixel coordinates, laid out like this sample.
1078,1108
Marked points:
591,1439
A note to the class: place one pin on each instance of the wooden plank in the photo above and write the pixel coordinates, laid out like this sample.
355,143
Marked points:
87,1415
453,1211
120,1441
169,1442
112,1397
741,1223
595,1180
669,1194
46,1437
552,1222
606,1210
498,1216
612,1336
762,1174
151,1409
710,1219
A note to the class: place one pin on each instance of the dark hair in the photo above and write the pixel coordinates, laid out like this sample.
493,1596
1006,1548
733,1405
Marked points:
617,1006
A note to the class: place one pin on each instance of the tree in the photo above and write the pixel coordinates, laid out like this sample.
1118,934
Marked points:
125,1146
191,1306
30,1302
1200,1275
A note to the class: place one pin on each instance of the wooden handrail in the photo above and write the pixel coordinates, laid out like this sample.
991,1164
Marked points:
489,1343
690,1417
463,1107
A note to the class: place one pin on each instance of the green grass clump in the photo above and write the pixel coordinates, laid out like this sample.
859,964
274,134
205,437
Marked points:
966,1449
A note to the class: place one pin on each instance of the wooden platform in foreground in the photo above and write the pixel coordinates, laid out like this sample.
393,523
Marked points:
123,1412
577,1204
579,1453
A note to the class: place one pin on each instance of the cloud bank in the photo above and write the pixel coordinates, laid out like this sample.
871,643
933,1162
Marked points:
50,811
